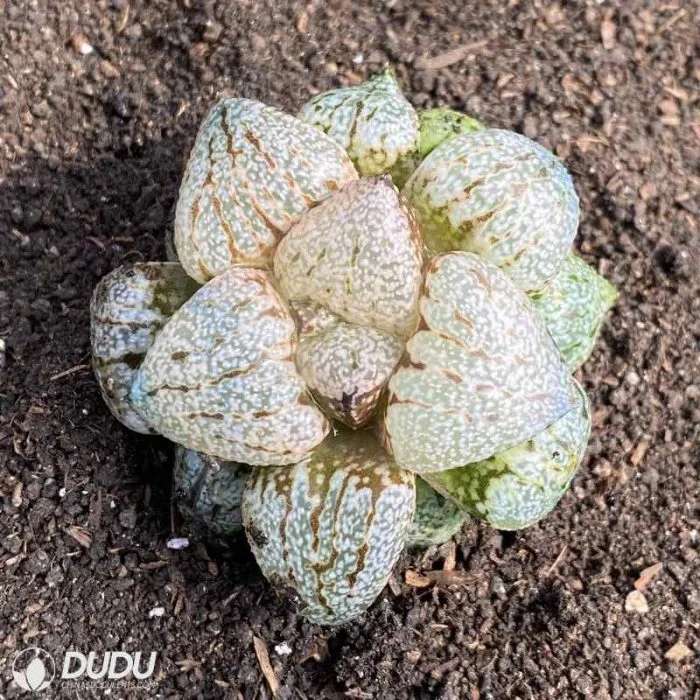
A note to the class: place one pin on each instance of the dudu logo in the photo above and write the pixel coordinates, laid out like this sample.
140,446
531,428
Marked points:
33,669
111,660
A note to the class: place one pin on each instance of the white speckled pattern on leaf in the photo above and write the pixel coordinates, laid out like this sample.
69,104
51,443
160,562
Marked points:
498,194
220,378
329,530
128,308
481,375
518,487
346,366
573,306
252,173
436,519
359,254
373,122
208,491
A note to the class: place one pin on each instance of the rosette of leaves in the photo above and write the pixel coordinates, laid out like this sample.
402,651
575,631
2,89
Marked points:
439,324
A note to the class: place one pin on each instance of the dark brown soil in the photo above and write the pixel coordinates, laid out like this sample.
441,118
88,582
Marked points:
91,151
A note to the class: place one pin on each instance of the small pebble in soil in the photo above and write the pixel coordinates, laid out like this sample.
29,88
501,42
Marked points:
636,602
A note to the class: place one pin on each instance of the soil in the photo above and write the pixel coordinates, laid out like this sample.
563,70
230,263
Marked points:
91,151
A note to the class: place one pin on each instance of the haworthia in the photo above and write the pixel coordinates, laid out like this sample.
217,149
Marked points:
498,194
481,375
329,530
220,378
129,307
436,126
518,487
252,173
358,254
436,519
208,491
346,367
573,306
373,122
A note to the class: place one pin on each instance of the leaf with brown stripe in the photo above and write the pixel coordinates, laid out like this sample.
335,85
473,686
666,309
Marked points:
253,172
129,307
502,196
328,531
373,122
235,393
482,374
345,366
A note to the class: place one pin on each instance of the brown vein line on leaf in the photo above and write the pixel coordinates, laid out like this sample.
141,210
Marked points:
255,142
362,551
233,249
233,152
274,229
295,187
467,191
230,374
288,505
359,106
482,280
320,569
314,518
463,319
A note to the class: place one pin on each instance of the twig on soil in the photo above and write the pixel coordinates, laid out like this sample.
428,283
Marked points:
124,18
557,561
265,665
672,20
446,59
67,372
80,535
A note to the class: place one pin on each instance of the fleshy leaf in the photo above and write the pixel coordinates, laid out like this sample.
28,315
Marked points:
208,491
498,194
346,367
373,122
328,531
129,307
436,519
220,378
518,487
252,173
481,375
573,306
359,255
436,126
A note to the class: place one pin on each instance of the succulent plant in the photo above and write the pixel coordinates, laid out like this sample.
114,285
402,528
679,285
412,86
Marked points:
220,377
252,173
128,308
436,126
328,531
359,254
321,301
516,488
208,491
573,306
373,122
500,195
481,374
436,518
